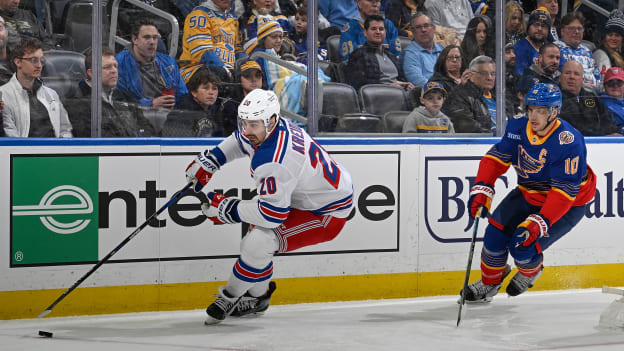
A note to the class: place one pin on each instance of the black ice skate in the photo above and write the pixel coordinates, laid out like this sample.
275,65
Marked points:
221,307
254,305
478,292
521,283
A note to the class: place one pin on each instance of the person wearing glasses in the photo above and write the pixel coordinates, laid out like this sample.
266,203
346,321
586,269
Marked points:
30,108
448,68
528,47
421,54
352,36
613,97
572,49
471,105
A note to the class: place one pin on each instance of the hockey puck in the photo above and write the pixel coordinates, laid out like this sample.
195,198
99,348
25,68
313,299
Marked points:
45,334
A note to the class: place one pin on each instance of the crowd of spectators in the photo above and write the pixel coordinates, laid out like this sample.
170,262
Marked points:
446,57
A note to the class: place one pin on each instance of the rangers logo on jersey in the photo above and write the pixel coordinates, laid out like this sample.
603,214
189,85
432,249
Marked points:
527,164
566,137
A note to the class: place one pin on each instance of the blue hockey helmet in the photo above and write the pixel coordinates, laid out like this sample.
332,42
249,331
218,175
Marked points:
544,94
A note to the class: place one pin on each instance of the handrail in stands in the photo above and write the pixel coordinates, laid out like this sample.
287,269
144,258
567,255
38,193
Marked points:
292,67
175,29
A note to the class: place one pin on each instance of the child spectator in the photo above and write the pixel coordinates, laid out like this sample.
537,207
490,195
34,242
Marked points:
299,35
428,118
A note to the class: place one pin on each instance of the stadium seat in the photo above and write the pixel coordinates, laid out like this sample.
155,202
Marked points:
63,70
414,96
405,41
377,99
339,99
359,124
77,24
333,48
393,121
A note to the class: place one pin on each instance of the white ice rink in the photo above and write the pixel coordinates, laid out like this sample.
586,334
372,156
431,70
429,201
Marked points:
563,320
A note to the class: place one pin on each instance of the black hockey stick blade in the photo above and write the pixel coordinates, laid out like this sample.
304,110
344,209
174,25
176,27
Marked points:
171,201
467,276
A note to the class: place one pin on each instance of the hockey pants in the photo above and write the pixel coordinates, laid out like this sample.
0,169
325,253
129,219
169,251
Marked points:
254,268
512,211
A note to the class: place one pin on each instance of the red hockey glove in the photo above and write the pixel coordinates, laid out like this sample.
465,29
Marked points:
481,195
221,209
529,231
201,170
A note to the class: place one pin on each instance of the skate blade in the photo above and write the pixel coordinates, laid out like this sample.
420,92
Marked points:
477,302
212,321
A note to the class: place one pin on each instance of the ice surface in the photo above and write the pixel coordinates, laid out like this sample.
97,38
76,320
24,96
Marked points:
562,320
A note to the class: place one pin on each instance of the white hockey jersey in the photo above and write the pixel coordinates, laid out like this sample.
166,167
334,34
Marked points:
291,170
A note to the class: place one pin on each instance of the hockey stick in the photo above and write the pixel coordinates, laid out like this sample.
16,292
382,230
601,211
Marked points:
173,199
470,253
610,290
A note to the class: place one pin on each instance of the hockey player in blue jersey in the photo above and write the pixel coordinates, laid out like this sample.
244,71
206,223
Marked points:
554,185
304,198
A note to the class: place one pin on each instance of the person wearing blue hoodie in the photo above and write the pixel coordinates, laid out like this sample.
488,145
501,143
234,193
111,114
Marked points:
613,97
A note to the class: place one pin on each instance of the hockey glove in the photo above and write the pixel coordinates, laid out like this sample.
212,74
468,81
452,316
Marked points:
529,231
221,209
201,170
481,195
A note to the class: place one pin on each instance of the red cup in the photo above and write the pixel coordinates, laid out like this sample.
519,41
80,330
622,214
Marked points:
168,92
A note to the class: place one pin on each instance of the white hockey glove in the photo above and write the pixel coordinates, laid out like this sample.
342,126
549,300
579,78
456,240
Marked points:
221,209
201,170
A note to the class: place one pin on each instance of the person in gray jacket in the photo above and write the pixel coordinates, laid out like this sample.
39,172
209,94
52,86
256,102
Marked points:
428,118
30,108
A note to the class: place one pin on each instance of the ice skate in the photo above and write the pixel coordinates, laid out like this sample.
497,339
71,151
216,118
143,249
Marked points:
478,292
521,283
254,305
221,307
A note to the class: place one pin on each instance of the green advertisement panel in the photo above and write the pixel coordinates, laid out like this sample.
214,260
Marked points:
54,205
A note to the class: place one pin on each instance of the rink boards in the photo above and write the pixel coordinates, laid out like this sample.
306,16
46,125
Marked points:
69,203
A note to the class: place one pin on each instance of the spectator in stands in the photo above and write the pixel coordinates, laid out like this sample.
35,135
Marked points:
466,106
454,14
610,52
247,77
613,97
572,49
552,6
478,39
428,118
211,37
151,77
512,103
299,37
546,70
270,36
448,68
200,111
119,119
527,48
5,67
400,13
338,12
30,108
352,36
515,27
249,25
420,56
581,106
373,62
22,24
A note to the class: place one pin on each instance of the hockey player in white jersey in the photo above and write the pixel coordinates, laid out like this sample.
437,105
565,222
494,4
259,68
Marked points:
304,198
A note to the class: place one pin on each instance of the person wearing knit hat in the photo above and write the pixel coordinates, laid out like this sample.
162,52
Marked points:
527,48
270,35
610,52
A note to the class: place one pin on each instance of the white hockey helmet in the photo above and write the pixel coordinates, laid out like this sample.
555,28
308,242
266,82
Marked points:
259,105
